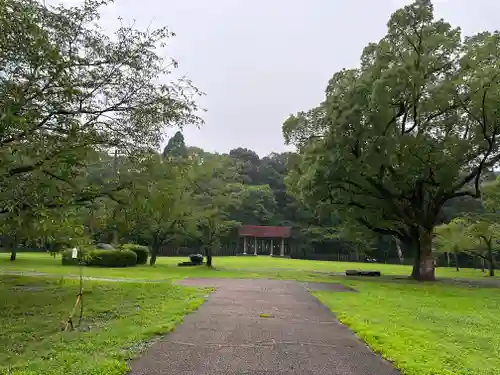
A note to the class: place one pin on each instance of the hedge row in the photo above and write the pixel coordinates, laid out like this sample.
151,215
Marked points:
142,252
101,258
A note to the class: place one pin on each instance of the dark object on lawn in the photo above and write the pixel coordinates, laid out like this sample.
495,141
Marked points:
362,273
188,264
104,246
371,260
196,258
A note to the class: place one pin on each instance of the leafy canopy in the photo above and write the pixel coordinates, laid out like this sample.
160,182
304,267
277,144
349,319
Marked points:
414,126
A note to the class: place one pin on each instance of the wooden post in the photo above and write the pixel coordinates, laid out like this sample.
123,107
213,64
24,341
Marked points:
282,253
272,247
244,246
255,249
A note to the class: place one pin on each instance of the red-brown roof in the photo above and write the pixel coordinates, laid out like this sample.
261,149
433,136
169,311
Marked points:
264,231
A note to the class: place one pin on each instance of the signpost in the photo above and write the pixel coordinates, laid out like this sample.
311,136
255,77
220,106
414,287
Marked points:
76,254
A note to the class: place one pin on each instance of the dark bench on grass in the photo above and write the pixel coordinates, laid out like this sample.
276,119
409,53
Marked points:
362,273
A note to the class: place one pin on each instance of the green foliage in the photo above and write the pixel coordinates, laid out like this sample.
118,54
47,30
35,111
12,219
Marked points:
476,233
452,237
111,258
416,125
176,147
214,191
256,204
159,208
72,94
142,252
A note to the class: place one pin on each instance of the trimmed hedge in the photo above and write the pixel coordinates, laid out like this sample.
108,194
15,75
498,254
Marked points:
112,258
142,252
102,258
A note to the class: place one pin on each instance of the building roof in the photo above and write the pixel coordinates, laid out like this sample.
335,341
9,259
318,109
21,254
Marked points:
264,231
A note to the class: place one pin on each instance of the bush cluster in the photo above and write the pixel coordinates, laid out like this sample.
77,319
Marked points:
102,258
142,252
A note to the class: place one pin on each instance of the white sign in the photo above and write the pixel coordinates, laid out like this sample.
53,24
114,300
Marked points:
74,254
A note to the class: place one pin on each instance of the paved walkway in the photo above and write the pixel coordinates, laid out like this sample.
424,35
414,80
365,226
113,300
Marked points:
228,335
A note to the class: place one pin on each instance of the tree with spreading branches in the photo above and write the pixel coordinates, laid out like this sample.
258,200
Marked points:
415,126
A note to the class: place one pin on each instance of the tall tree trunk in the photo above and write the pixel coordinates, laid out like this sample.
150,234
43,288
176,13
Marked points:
491,261
208,254
456,262
13,255
448,260
154,253
398,248
152,258
482,264
423,267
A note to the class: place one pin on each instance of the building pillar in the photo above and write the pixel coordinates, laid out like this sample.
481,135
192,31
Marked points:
272,247
244,246
255,244
282,252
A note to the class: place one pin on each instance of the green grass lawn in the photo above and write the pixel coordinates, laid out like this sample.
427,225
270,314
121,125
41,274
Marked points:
442,328
243,267
119,318
425,329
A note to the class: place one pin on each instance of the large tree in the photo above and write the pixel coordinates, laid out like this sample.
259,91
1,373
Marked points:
413,127
68,90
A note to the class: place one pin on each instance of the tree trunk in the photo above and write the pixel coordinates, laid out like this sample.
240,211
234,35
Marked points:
423,267
13,255
491,261
482,264
154,253
208,254
398,248
448,260
456,262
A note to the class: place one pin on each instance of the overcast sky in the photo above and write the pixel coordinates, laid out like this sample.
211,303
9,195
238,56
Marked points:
259,61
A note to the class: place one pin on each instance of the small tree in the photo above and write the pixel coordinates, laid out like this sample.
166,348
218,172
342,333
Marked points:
53,230
476,236
159,206
451,239
212,180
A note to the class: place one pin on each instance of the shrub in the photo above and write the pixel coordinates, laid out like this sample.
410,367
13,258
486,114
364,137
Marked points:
112,258
142,252
67,259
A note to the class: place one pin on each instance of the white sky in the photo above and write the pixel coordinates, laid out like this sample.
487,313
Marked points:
259,61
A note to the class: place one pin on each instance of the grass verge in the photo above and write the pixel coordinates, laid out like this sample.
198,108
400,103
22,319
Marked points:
233,267
119,320
424,329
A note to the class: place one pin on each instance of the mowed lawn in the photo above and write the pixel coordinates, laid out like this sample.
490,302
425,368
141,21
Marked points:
425,329
239,266
119,318
442,328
